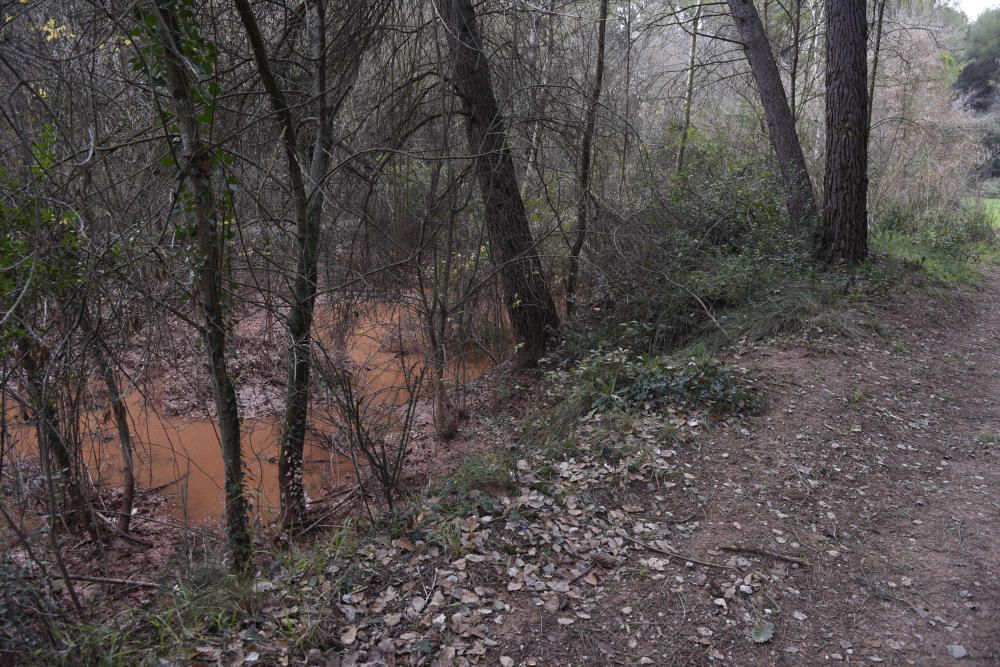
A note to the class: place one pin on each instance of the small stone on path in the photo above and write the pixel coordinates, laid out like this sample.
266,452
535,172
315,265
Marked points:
957,651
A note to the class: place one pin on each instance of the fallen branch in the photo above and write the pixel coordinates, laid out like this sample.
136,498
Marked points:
105,580
156,489
333,509
677,555
189,529
764,552
128,537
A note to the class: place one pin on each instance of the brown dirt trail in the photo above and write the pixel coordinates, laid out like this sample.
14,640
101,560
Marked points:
877,463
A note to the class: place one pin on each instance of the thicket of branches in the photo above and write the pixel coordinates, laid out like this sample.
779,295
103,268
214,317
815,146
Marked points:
489,173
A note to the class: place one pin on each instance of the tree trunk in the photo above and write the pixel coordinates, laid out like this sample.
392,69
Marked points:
308,207
120,414
689,90
793,75
800,199
52,447
308,200
202,213
876,50
537,103
586,156
844,236
530,307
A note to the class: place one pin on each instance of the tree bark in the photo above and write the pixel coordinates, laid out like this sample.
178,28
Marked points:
530,307
800,200
203,215
586,157
844,236
689,90
120,414
308,200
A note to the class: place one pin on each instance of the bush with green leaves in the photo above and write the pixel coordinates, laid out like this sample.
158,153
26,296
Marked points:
617,379
955,231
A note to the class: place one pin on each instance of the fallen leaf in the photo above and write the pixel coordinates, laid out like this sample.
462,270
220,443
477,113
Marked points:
762,632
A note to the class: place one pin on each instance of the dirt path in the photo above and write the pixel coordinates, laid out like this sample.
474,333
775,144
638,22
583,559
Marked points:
877,463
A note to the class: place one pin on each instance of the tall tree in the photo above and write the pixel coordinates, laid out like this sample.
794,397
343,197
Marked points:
689,88
844,235
800,200
329,88
530,307
196,165
586,160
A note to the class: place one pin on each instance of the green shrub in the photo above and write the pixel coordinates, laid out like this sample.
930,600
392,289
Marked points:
954,231
619,380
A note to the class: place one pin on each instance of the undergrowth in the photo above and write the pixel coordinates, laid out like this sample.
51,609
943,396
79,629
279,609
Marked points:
644,345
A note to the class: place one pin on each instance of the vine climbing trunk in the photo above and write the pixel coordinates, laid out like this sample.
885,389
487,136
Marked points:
202,213
532,312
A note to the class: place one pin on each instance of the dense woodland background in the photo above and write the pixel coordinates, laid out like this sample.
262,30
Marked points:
219,193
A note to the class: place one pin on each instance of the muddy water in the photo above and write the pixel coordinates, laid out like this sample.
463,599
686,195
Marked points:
182,457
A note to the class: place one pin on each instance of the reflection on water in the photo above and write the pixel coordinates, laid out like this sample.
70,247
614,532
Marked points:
183,458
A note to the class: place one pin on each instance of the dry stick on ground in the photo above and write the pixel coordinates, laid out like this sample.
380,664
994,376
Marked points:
105,580
675,554
169,524
113,527
735,548
335,508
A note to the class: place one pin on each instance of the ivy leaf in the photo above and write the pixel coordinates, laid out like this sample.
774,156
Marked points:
762,632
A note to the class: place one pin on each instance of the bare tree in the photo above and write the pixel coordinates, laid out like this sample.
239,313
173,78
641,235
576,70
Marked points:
586,158
196,164
689,88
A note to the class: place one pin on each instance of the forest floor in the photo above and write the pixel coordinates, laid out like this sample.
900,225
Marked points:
876,464
854,518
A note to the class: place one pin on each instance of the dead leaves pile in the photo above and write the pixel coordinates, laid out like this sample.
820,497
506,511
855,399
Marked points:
443,593
450,586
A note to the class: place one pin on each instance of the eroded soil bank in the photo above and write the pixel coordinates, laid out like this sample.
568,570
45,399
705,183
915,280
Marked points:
854,520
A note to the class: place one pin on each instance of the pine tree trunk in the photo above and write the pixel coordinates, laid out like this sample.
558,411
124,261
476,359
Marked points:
800,199
530,307
844,235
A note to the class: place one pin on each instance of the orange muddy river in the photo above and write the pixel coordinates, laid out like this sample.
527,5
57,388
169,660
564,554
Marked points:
182,457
